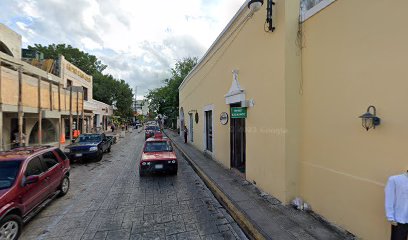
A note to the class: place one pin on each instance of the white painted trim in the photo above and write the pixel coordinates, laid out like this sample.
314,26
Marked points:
314,10
235,18
206,109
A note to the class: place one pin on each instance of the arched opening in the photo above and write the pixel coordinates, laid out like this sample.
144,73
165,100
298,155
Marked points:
5,49
48,133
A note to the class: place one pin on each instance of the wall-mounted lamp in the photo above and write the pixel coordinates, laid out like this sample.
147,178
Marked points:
370,120
255,5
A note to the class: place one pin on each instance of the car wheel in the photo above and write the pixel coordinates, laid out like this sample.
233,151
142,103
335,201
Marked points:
141,173
10,227
174,172
99,156
64,187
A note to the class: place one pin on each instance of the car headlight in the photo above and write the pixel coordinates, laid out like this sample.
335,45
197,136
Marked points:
67,150
93,149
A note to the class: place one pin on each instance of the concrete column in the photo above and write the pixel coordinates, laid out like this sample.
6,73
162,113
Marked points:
51,102
83,114
77,110
1,80
70,114
1,114
1,131
40,127
59,131
91,123
59,97
20,106
39,112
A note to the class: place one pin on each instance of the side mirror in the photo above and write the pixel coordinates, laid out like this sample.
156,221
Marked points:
31,179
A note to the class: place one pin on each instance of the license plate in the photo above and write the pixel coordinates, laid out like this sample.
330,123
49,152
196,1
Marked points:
158,166
78,155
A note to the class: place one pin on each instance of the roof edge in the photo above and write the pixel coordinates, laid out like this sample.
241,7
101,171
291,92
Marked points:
211,48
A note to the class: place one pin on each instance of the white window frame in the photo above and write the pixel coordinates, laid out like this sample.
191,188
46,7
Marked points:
208,108
317,8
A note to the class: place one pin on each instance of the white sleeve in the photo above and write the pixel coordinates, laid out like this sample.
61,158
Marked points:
390,199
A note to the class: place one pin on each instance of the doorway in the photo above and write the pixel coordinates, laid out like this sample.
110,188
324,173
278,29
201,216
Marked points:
237,142
191,127
208,131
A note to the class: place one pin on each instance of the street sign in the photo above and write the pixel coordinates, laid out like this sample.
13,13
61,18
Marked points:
238,112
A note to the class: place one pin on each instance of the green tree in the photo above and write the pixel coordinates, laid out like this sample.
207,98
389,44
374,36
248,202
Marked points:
106,88
84,61
165,100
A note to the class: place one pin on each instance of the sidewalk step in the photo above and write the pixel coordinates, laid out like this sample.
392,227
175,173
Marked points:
261,216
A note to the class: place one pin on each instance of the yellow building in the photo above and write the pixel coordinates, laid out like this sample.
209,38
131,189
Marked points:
303,87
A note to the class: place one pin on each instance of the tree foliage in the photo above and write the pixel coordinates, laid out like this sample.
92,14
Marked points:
106,88
165,100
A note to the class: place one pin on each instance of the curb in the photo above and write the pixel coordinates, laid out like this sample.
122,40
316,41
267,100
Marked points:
250,229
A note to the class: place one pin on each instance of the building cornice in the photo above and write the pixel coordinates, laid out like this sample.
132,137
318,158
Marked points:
215,43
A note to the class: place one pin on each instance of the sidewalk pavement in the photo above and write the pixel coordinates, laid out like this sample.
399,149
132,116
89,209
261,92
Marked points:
260,215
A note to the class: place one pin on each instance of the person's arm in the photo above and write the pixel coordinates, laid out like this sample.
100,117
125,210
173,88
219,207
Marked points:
390,200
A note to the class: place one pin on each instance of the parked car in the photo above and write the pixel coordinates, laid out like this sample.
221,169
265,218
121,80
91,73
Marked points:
30,178
151,130
158,156
89,146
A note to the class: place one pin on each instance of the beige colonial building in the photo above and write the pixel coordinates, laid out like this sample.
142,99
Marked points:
95,115
297,94
42,104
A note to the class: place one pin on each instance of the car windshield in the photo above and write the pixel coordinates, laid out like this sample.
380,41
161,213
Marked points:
152,128
161,146
88,138
8,173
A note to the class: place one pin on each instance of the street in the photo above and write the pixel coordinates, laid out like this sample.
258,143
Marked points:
108,200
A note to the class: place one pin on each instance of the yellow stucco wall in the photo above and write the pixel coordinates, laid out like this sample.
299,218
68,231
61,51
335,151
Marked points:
354,56
260,58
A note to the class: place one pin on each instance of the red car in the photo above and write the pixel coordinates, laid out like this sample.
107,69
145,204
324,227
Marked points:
30,177
151,130
158,156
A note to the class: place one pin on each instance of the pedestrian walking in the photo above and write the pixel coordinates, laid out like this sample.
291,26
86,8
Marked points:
185,134
113,127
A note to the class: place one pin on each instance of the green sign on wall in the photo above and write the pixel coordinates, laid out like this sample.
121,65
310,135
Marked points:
238,112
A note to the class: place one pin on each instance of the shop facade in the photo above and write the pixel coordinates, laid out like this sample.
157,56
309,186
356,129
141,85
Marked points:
282,108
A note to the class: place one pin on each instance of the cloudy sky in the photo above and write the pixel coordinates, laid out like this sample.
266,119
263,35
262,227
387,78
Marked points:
139,40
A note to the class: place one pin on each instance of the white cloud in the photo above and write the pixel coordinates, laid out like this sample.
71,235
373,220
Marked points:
139,40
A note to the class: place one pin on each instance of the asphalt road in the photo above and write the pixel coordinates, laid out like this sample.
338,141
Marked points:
108,200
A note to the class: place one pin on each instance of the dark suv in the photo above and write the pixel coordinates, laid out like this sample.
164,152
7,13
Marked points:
30,177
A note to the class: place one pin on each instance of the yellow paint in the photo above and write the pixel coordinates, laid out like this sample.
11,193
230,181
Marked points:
270,151
354,56
312,145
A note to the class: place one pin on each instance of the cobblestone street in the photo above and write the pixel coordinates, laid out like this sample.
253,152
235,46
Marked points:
108,200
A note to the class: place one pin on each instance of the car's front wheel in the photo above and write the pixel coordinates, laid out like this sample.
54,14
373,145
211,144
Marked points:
99,156
64,187
10,227
142,173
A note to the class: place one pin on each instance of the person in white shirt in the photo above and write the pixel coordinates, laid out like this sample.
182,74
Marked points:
396,205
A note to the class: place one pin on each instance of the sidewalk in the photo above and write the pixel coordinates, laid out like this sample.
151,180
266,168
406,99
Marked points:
260,215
